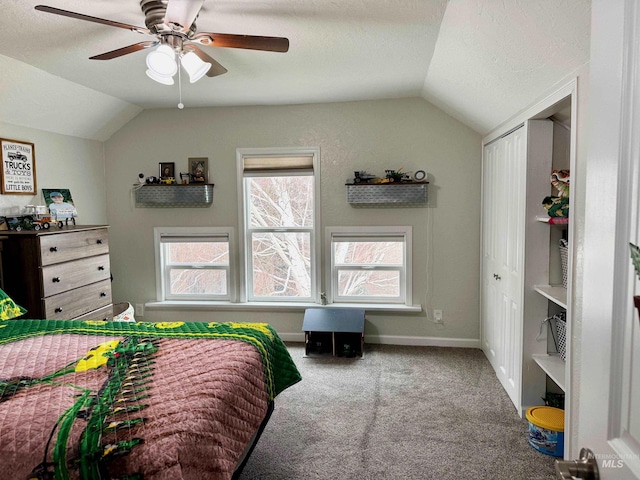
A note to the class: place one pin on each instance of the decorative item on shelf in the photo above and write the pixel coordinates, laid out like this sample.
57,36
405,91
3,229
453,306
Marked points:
363,177
141,178
167,170
558,205
396,176
635,259
199,169
185,177
152,180
419,175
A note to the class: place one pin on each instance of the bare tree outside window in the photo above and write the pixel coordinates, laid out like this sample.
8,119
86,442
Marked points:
368,268
280,229
198,268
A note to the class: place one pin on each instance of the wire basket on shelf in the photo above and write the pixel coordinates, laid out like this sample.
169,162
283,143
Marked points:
564,252
558,324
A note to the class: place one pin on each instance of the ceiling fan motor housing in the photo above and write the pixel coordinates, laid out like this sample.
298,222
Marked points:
154,13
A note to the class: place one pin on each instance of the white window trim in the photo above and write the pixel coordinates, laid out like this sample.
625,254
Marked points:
406,283
192,232
315,253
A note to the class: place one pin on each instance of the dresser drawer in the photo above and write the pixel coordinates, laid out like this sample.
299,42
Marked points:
73,245
104,313
67,305
61,277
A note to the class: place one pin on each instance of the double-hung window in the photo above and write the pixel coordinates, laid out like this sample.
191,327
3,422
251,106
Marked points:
193,263
279,211
369,264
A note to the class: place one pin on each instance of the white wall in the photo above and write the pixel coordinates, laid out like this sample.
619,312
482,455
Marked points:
62,161
370,135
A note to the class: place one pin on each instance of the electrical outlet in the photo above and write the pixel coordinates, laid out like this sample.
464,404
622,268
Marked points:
437,316
139,310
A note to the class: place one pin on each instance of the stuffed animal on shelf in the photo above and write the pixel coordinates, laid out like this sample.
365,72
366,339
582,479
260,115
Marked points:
558,206
560,180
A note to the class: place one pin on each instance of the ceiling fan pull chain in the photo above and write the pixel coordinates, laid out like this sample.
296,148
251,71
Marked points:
180,105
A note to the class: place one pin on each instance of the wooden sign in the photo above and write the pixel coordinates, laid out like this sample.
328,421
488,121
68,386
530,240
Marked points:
18,169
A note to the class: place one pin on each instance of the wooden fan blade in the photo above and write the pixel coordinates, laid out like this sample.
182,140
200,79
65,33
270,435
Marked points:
249,42
182,13
123,51
80,16
216,69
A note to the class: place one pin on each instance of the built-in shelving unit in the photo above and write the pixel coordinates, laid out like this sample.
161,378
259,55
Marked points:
522,245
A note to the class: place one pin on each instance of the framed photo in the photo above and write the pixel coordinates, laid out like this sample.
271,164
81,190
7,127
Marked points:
60,203
198,169
18,167
167,170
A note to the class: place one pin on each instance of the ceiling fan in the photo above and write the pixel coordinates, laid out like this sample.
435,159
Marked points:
177,40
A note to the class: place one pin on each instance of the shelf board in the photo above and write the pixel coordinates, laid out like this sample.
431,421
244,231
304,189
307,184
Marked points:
556,293
553,366
552,220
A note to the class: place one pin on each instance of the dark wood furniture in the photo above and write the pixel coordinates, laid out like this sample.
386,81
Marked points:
334,331
59,273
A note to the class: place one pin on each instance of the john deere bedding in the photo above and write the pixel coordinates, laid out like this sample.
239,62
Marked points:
94,399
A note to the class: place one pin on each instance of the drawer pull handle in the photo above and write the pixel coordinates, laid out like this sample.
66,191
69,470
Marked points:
58,310
53,249
100,268
102,294
99,241
55,279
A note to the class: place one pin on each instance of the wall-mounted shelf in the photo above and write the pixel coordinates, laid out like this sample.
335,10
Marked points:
174,196
387,194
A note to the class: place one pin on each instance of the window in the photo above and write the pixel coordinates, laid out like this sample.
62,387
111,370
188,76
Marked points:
369,264
193,263
279,214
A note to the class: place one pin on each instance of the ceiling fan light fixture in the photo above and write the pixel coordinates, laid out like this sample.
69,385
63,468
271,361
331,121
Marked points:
164,79
195,67
162,61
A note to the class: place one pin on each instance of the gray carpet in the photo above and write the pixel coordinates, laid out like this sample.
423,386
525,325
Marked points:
399,413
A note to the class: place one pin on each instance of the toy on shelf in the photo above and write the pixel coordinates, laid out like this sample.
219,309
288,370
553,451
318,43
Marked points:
558,205
363,177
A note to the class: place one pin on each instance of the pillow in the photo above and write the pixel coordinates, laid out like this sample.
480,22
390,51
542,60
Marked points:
123,312
8,308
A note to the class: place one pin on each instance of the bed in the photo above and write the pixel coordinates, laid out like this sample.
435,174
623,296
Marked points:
117,400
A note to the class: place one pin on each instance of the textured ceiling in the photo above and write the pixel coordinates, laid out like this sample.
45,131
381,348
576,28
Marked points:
481,61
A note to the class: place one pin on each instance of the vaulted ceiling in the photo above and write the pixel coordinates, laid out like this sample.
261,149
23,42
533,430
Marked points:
481,61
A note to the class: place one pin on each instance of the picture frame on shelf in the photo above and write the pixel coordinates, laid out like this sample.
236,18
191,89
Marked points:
166,170
198,169
17,167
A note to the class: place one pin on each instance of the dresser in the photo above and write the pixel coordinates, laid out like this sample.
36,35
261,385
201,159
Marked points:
59,273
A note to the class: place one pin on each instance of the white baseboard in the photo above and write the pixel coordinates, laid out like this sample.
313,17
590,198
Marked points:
401,340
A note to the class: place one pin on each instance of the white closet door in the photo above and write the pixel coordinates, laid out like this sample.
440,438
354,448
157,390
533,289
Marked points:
503,245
